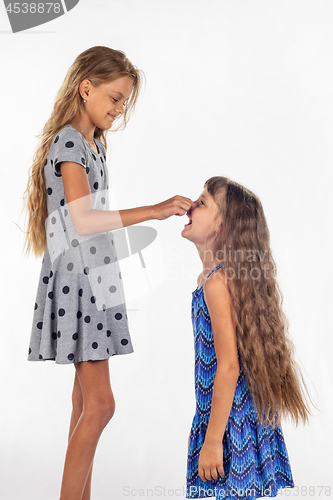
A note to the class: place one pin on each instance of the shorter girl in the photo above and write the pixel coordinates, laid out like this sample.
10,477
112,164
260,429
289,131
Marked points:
245,374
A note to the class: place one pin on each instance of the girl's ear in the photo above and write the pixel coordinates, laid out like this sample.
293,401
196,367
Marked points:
84,88
220,227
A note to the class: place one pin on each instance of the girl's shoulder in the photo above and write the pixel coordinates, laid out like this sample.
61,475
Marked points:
70,138
216,283
68,145
67,138
217,274
70,132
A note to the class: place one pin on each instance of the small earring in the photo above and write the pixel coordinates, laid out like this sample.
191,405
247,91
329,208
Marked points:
84,100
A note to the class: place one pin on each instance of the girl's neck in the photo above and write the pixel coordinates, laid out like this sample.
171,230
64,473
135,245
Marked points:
208,260
85,130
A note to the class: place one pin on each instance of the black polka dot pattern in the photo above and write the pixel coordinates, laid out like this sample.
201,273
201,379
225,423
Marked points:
72,320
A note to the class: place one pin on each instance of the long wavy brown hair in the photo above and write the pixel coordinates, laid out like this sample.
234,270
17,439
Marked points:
266,351
99,65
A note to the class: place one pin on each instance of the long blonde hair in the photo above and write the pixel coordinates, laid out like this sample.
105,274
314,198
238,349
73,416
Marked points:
100,65
266,351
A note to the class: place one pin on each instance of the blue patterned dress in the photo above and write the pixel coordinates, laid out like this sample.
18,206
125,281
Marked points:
255,458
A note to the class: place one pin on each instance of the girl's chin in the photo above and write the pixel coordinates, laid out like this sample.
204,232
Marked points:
185,234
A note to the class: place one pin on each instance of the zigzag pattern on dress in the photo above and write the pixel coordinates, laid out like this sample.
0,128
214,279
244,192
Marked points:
255,458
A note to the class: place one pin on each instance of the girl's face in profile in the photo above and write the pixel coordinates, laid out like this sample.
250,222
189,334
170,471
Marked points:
107,101
202,214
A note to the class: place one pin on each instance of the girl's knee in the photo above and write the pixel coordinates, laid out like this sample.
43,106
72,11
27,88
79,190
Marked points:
108,411
101,411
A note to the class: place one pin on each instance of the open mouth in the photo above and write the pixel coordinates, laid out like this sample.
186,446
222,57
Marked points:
189,223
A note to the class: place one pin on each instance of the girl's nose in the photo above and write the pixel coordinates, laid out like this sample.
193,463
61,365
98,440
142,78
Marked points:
120,109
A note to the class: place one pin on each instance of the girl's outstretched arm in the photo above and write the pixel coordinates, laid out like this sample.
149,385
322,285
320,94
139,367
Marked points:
87,220
219,306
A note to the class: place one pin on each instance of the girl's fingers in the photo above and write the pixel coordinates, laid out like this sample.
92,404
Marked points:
183,206
201,474
185,203
211,474
185,199
208,475
221,470
214,474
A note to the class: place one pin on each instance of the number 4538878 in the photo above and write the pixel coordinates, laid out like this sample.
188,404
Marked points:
34,8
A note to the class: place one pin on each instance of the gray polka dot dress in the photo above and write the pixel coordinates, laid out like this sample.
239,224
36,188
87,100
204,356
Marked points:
80,312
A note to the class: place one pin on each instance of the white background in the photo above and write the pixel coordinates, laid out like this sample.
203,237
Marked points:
241,89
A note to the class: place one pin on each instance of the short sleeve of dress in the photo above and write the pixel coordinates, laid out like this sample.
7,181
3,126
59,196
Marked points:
68,145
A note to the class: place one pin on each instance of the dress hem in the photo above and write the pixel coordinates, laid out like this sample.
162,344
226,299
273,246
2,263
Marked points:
70,362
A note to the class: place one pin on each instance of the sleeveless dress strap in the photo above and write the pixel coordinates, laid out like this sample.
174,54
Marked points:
219,265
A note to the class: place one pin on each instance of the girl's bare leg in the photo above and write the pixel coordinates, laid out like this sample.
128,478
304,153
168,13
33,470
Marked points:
77,402
97,410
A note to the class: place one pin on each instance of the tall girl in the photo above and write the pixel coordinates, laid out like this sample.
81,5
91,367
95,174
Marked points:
246,378
80,313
